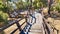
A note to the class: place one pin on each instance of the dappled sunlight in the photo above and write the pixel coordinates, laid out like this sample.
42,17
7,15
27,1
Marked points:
29,16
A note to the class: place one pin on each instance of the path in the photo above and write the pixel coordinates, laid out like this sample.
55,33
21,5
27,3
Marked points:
36,28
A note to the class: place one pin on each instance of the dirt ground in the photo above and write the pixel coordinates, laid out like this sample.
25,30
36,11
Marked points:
54,23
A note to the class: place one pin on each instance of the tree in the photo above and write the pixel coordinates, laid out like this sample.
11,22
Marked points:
39,3
56,6
3,14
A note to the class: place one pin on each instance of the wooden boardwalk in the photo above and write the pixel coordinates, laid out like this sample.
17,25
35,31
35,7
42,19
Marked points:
36,28
13,27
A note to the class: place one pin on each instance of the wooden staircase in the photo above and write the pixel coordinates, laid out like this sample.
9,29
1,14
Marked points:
36,29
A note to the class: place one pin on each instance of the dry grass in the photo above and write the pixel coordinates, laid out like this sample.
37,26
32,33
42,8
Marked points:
54,23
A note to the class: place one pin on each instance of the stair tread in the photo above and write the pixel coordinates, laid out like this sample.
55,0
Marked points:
36,27
35,32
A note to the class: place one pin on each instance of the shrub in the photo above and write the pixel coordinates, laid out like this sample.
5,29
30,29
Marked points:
55,7
3,17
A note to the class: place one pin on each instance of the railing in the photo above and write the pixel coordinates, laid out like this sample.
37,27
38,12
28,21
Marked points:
15,22
12,23
19,26
50,29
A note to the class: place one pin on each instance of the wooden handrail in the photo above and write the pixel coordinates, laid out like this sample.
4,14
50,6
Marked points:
46,22
48,26
17,28
7,26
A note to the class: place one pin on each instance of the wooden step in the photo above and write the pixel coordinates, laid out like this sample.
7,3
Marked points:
36,26
35,33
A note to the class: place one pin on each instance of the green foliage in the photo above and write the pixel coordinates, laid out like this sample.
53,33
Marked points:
3,14
39,3
36,4
19,5
3,17
3,7
56,6
1,4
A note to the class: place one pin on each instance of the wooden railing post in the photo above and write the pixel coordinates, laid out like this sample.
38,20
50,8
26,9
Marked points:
18,25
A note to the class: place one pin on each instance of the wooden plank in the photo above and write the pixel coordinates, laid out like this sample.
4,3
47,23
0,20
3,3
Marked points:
49,27
7,26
